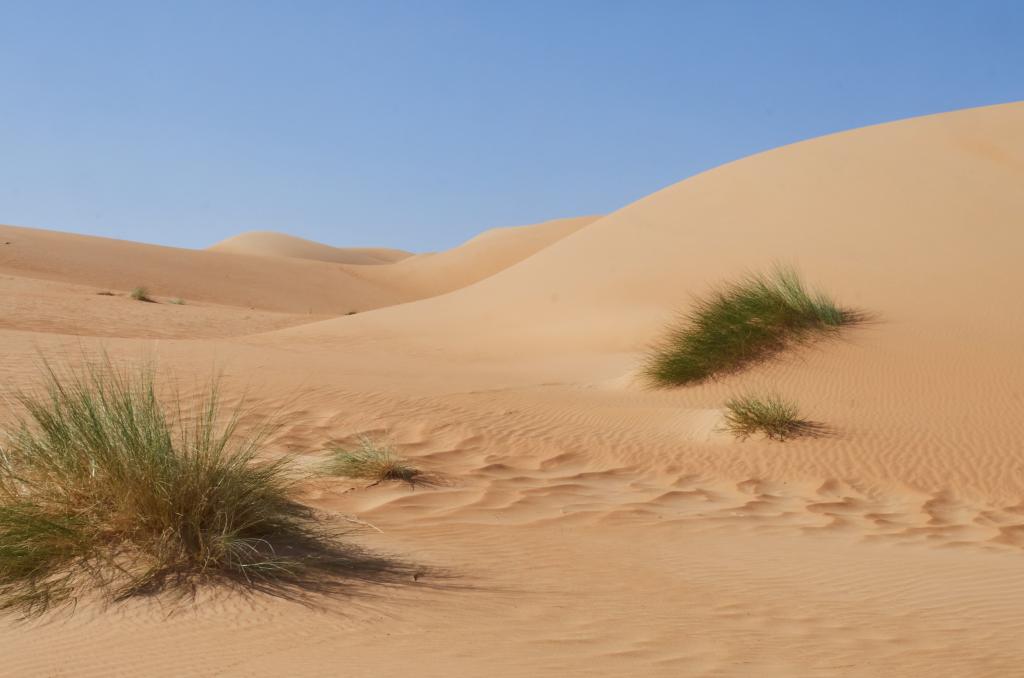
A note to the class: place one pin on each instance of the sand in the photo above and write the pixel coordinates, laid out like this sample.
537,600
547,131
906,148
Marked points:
589,525
270,244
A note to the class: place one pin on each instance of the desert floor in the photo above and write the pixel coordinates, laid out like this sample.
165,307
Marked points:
586,524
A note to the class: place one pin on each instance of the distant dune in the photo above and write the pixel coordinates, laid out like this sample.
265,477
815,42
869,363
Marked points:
279,284
277,280
271,244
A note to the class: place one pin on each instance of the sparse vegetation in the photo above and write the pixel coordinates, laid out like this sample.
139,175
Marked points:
106,293
352,312
743,323
178,301
103,491
373,461
771,415
140,294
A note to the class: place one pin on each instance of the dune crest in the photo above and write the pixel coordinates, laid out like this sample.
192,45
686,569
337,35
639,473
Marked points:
273,244
493,251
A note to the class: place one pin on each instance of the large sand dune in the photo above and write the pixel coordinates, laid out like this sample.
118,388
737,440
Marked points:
914,221
589,525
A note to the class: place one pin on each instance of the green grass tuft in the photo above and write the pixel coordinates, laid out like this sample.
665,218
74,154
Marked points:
178,301
372,461
742,323
105,492
778,419
140,294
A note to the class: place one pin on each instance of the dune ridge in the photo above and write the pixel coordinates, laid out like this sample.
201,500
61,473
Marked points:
489,253
273,244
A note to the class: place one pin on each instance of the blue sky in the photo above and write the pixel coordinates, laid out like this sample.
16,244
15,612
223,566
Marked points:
418,124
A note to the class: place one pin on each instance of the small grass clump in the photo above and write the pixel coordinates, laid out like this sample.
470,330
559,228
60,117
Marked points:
104,491
178,301
778,419
141,294
372,461
743,323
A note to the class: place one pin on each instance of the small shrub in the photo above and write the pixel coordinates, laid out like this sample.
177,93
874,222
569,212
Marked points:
776,418
140,294
742,323
106,293
372,461
104,491
178,301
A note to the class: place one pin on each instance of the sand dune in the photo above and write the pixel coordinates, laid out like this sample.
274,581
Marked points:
281,285
491,252
271,244
880,223
914,221
276,280
589,525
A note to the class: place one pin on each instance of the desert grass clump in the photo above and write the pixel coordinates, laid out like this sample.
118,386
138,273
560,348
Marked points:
140,294
742,323
104,490
374,461
771,415
178,301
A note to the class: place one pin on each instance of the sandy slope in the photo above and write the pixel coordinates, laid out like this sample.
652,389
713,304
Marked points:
588,526
427,275
271,244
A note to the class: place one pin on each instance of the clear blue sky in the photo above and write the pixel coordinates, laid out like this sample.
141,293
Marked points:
417,124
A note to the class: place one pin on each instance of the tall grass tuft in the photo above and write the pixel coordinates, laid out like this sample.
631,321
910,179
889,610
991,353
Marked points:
778,419
742,323
373,461
103,490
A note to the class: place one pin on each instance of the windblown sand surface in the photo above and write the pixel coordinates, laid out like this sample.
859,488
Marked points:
587,525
